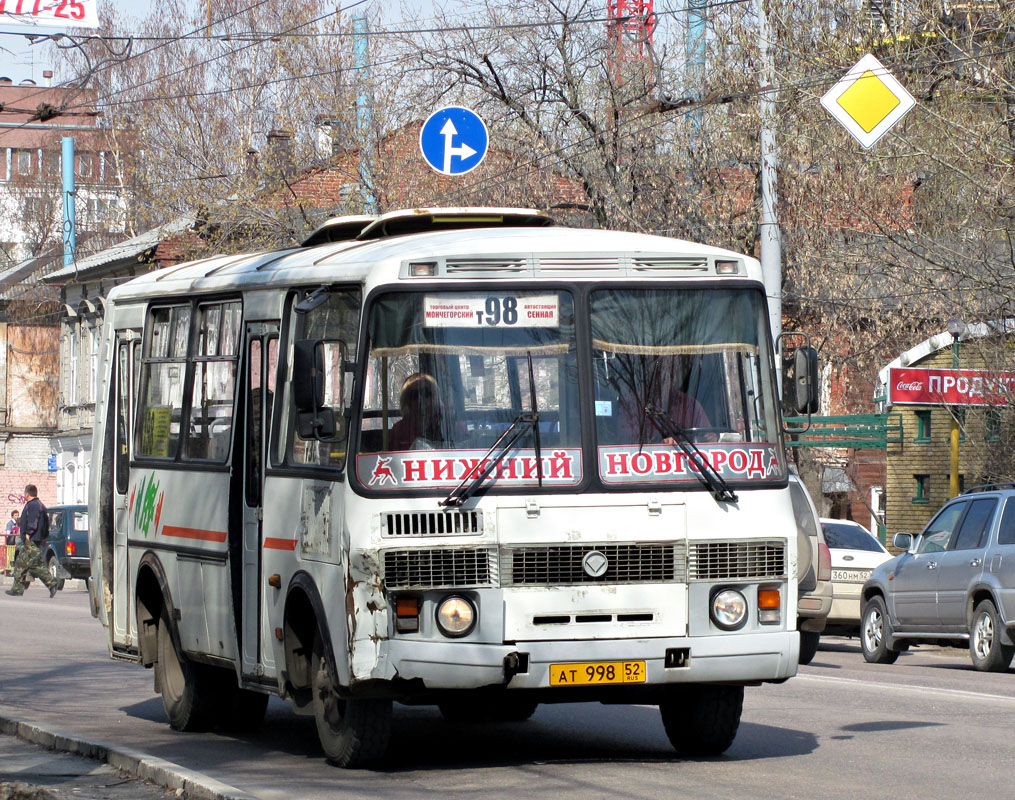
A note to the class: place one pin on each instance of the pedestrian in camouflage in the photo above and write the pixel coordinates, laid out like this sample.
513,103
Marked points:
34,532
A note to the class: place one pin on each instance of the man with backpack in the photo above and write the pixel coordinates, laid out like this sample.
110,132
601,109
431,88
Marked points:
34,531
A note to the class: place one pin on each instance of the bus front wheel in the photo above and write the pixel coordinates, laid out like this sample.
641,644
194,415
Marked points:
702,720
187,693
353,732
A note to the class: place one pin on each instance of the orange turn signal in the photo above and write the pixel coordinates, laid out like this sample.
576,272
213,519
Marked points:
768,598
407,607
275,581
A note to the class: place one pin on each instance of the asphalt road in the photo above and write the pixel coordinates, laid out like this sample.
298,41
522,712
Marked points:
926,726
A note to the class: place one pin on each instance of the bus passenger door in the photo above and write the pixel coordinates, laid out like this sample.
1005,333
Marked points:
127,357
262,361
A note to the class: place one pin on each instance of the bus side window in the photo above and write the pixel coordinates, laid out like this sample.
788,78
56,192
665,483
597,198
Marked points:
210,427
123,395
335,323
157,434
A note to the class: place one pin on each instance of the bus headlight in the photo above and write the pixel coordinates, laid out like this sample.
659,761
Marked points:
729,609
456,616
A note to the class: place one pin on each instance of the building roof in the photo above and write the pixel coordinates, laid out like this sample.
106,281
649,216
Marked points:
128,249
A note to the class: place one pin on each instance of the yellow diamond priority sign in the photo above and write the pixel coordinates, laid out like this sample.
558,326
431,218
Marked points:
868,101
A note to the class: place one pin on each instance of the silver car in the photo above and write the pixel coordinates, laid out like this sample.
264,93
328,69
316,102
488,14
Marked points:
955,584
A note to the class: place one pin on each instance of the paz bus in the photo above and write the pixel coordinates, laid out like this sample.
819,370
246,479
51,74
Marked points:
455,457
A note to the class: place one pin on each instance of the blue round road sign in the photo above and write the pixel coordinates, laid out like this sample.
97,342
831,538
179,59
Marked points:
454,140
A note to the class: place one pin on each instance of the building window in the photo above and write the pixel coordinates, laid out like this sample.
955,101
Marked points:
922,489
72,389
23,162
922,426
85,165
993,425
93,362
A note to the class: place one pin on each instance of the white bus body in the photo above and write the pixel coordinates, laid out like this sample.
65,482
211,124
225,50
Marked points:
366,561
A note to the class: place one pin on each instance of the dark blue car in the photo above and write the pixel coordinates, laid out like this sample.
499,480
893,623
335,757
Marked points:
66,549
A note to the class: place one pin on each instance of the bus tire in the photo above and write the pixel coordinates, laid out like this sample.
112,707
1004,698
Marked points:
808,646
702,720
353,732
187,692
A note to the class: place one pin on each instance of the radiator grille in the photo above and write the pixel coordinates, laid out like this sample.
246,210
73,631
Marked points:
561,565
432,523
714,561
439,568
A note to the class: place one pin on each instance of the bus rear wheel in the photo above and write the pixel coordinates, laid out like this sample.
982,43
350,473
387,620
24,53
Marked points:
186,688
353,732
702,720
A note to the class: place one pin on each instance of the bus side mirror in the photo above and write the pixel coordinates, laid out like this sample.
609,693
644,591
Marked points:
313,419
308,374
805,380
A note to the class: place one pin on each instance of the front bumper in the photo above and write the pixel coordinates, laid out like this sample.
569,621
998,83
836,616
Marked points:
743,658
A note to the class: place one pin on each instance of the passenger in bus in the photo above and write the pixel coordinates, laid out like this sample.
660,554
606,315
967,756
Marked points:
422,415
683,410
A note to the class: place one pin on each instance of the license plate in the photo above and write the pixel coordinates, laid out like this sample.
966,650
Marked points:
597,672
851,575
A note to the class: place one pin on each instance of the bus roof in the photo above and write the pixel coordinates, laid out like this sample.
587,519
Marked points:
509,253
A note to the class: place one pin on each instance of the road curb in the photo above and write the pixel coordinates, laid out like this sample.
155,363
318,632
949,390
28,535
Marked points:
145,766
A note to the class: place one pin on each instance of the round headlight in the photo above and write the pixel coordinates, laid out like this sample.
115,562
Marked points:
456,616
729,609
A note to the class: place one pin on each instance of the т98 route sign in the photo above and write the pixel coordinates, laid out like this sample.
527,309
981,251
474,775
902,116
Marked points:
454,140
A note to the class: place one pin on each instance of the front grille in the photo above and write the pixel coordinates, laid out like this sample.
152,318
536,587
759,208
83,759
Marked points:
721,561
466,265
670,262
561,565
432,523
439,568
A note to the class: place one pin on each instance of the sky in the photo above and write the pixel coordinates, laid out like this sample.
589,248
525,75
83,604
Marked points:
20,60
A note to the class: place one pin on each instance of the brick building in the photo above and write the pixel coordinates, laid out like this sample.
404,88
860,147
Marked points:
918,469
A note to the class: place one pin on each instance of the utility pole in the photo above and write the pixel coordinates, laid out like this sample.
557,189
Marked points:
364,119
694,58
771,240
67,170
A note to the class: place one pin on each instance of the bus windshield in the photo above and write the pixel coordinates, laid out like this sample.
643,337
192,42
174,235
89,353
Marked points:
691,360
449,371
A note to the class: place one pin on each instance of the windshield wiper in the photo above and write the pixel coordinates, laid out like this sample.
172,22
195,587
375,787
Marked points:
706,473
501,448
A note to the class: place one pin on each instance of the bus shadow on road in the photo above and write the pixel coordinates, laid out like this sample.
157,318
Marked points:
557,734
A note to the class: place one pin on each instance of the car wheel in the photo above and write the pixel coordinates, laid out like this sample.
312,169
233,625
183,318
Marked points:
874,631
808,646
188,689
985,647
702,720
54,569
353,732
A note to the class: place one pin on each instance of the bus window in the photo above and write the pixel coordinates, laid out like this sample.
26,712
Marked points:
335,324
158,431
211,406
123,395
473,353
708,373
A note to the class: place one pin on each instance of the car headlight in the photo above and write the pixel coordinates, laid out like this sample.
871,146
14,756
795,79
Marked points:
729,609
456,616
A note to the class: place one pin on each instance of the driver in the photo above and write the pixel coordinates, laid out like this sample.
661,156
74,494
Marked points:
683,410
422,413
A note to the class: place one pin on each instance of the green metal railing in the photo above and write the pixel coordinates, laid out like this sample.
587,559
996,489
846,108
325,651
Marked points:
856,431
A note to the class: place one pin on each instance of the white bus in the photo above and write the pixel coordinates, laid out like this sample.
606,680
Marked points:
454,457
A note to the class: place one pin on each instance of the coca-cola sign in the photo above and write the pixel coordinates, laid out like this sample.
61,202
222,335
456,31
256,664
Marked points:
949,387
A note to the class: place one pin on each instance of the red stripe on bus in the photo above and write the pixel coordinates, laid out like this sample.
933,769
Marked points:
194,533
279,544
